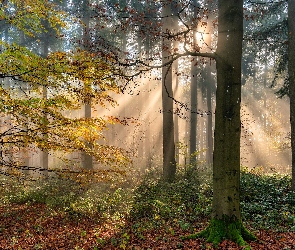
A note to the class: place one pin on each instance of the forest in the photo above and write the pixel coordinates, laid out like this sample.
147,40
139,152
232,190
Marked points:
166,124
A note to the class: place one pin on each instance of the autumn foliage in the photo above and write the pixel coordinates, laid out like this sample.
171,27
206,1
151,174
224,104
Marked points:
40,96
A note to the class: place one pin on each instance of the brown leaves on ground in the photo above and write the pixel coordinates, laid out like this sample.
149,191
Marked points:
37,227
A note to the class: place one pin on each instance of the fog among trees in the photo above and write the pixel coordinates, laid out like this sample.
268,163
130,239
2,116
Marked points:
176,112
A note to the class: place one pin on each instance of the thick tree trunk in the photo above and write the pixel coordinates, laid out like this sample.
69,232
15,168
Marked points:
291,69
226,213
169,162
226,162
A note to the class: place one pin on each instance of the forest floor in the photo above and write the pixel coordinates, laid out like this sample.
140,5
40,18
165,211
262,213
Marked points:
151,214
35,226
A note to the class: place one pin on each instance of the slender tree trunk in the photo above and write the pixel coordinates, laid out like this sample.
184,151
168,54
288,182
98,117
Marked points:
210,88
148,133
26,154
209,151
194,97
193,116
44,153
87,160
175,78
291,69
176,118
264,94
169,163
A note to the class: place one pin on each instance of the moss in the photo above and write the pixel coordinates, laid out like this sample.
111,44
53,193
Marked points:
226,228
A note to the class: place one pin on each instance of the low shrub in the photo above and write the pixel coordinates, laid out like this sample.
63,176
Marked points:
266,200
184,199
68,196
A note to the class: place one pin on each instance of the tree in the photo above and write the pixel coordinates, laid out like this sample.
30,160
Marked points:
31,18
87,160
272,39
291,73
29,15
226,214
194,93
40,121
210,85
226,157
44,153
169,162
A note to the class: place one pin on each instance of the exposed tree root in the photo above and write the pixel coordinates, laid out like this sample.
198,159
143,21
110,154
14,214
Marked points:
218,230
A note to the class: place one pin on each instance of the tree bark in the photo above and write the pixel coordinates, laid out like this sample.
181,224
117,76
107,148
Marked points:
169,162
176,118
291,71
44,153
175,79
226,214
226,162
87,160
148,133
210,89
26,154
194,97
193,114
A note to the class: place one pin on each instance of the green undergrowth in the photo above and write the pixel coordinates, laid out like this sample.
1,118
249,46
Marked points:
103,200
185,200
266,200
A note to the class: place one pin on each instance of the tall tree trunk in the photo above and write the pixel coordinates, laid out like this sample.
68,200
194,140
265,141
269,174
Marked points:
193,114
176,118
264,94
210,88
194,96
87,160
291,69
44,153
26,154
175,78
148,133
169,162
226,213
226,163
